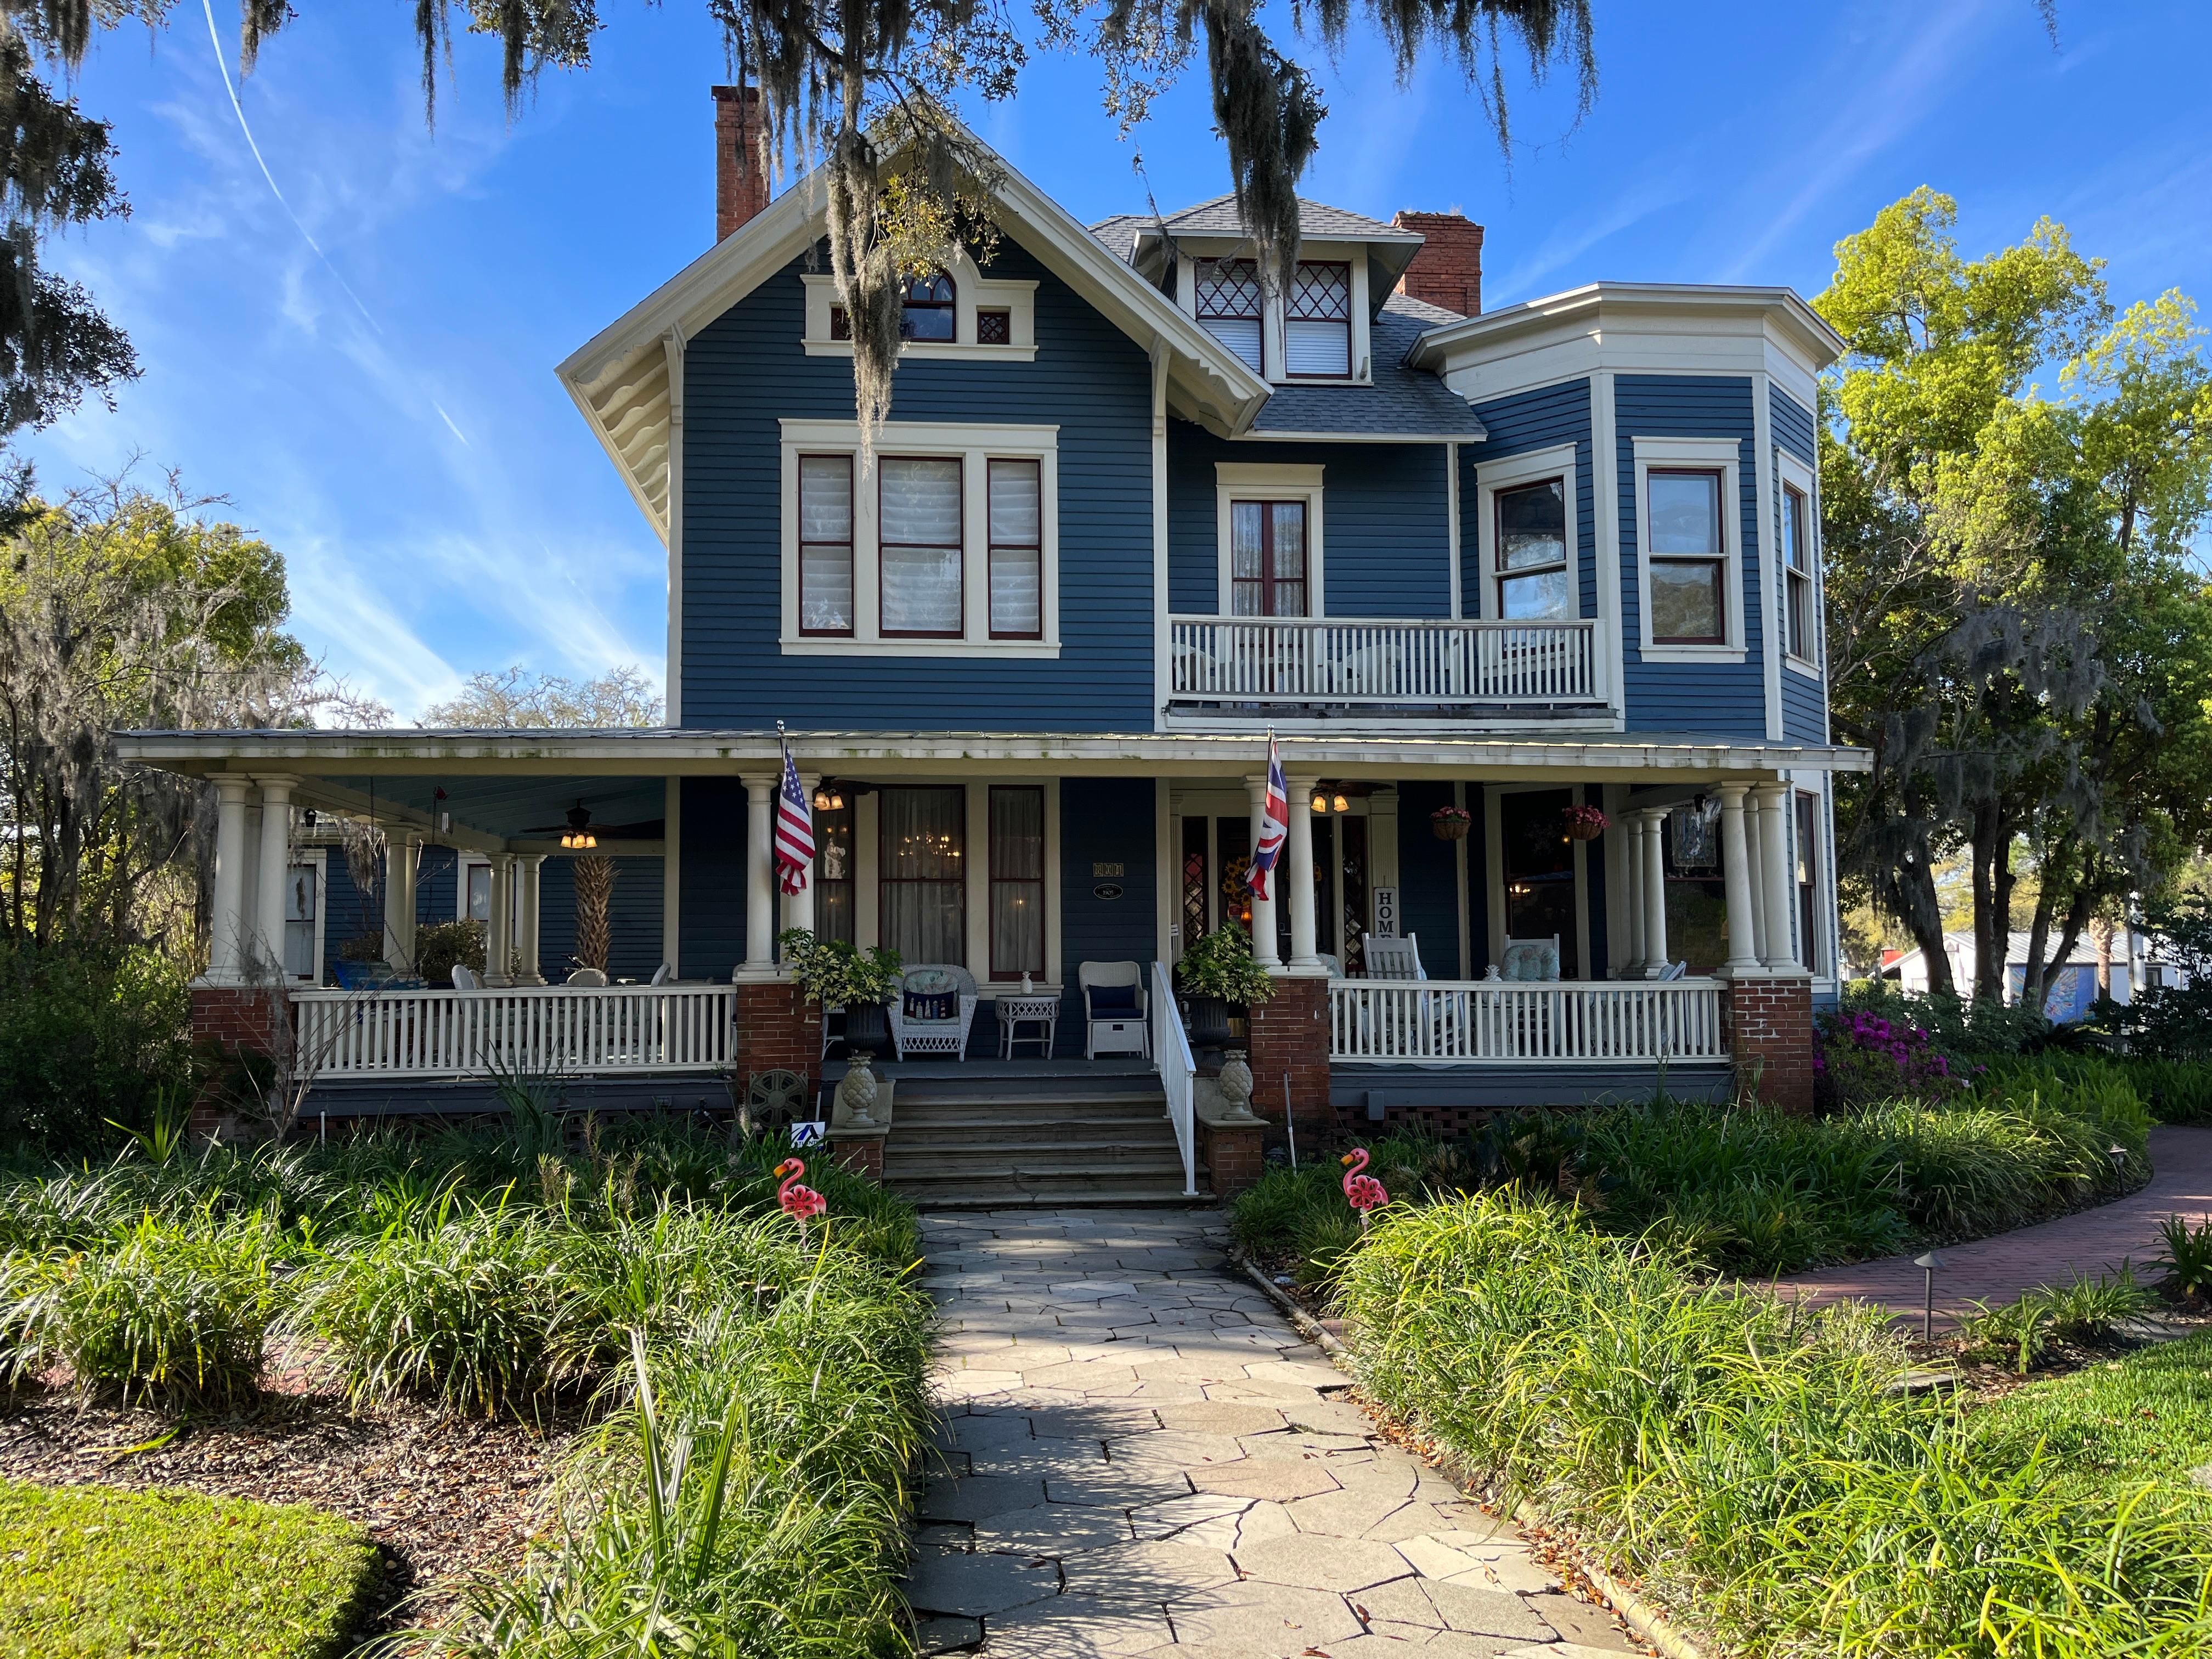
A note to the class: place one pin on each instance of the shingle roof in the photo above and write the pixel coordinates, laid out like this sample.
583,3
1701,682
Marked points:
1220,217
1411,402
1119,233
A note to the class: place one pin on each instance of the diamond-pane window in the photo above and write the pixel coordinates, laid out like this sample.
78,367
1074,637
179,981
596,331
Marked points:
1317,324
1229,302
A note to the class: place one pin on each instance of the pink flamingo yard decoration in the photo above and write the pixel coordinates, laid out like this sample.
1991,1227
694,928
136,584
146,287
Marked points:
797,1201
1363,1192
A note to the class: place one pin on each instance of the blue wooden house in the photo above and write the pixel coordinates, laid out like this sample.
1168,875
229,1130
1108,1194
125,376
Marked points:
1529,598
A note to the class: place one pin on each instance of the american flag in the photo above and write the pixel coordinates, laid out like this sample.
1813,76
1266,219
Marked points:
1275,823
794,830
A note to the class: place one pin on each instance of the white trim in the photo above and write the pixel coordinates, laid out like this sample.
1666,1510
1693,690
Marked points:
1556,461
941,350
672,678
1795,474
976,444
1465,893
972,291
1494,849
1167,874
1605,508
319,858
1720,454
1274,308
672,875
1236,481
1761,556
462,863
1161,666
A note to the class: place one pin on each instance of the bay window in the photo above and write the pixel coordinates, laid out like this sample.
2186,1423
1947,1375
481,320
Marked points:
1317,322
945,544
1800,613
1688,565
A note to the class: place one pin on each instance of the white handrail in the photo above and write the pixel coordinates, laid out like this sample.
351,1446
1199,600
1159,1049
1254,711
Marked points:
574,1030
1178,1073
1306,660
1558,1022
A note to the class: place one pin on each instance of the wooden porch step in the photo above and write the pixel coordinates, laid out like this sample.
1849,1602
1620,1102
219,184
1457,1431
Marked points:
899,1161
1053,1132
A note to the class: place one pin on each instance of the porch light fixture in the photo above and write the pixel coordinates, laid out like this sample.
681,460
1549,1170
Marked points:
579,838
828,799
1341,803
1321,800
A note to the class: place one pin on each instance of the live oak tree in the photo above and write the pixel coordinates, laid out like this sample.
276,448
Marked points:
863,85
2017,629
514,696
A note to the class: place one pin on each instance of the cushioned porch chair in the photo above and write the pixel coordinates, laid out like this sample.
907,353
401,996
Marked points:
933,1010
1114,1013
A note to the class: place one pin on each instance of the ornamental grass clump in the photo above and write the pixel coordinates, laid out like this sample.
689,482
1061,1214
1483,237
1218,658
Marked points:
1753,1462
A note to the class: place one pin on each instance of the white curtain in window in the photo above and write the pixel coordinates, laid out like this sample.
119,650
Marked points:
1017,882
1017,539
921,538
924,887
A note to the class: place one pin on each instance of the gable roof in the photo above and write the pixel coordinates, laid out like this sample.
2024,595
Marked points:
1144,240
627,379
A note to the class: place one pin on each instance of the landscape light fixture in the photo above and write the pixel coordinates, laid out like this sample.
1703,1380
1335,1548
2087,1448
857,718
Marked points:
1928,1264
2119,1155
579,838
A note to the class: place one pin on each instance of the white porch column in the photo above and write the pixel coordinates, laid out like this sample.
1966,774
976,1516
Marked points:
526,970
1263,910
1656,960
270,870
1632,908
1779,953
400,849
799,907
1299,876
1736,871
760,880
227,918
499,925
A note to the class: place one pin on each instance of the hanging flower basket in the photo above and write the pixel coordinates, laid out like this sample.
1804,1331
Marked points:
1583,823
1450,823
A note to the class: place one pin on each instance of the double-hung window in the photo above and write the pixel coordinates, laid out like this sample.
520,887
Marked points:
825,544
1267,558
1229,304
918,511
1800,615
1531,541
1016,881
1017,503
1317,322
1688,558
1809,886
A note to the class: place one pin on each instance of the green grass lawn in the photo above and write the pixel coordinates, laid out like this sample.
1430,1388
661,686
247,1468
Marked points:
90,1570
2116,1425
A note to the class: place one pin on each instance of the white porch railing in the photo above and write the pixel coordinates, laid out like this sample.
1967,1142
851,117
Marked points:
551,1028
1289,659
1456,1021
1178,1073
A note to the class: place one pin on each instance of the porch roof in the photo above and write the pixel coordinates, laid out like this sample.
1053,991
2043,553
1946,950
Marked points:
394,761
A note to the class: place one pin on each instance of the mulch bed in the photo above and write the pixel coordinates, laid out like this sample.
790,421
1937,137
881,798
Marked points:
442,1496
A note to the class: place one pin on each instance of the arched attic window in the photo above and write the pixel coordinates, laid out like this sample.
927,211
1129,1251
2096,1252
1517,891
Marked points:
928,312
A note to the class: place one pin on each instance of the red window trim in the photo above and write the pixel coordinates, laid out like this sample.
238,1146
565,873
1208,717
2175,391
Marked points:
961,545
1257,317
1267,580
1289,316
1499,574
1035,548
1718,560
949,305
852,550
1035,883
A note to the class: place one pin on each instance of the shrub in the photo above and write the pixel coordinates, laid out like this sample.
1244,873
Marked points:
2188,1257
442,946
1863,1055
88,1039
2085,1311
2172,1091
93,1572
168,1311
1727,1448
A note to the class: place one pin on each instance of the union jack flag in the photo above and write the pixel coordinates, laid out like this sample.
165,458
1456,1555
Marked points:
794,830
1275,823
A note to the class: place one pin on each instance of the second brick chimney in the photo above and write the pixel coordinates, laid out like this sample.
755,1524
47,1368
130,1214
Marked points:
740,177
1448,270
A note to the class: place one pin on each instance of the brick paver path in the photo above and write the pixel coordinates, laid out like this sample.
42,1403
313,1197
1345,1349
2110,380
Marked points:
1997,1270
1142,1457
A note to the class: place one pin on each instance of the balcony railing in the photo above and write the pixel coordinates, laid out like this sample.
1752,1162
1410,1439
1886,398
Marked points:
571,1029
1445,1022
1418,664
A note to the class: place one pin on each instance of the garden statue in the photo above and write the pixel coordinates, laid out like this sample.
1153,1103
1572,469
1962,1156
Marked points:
1363,1192
794,1200
857,1090
1234,1083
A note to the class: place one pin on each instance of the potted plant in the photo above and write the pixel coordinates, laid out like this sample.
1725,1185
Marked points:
1218,979
1450,823
361,961
1583,823
837,975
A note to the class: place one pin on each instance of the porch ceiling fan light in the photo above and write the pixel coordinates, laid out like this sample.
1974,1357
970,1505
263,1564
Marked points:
579,838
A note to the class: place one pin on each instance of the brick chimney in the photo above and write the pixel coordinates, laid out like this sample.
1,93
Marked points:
741,179
1448,270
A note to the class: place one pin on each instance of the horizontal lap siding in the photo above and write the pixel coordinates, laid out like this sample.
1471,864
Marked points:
1722,698
634,916
711,877
746,370
437,885
1428,878
1792,425
1385,533
1541,419
347,912
1106,821
1804,701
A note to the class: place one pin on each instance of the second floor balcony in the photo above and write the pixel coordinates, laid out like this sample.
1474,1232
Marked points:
1292,666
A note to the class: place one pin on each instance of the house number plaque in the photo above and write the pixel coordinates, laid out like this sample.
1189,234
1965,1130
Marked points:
1107,889
1101,870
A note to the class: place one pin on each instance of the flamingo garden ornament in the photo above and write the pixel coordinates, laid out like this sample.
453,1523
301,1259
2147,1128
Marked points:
797,1201
1363,1192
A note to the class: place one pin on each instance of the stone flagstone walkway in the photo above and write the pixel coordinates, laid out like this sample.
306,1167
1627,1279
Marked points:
1141,1457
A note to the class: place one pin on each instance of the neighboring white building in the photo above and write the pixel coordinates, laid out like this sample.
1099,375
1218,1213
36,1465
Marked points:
2137,963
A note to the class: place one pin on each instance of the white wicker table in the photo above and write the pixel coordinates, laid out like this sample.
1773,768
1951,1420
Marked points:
1027,1010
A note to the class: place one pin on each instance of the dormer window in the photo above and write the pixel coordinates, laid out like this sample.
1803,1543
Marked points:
929,312
1229,305
1317,325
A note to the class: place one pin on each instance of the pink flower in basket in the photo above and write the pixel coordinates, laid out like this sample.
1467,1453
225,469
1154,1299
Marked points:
1583,823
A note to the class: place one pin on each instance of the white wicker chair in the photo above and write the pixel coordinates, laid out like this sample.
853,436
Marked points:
933,1036
1114,1031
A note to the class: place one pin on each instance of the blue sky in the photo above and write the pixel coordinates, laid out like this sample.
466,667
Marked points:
363,368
